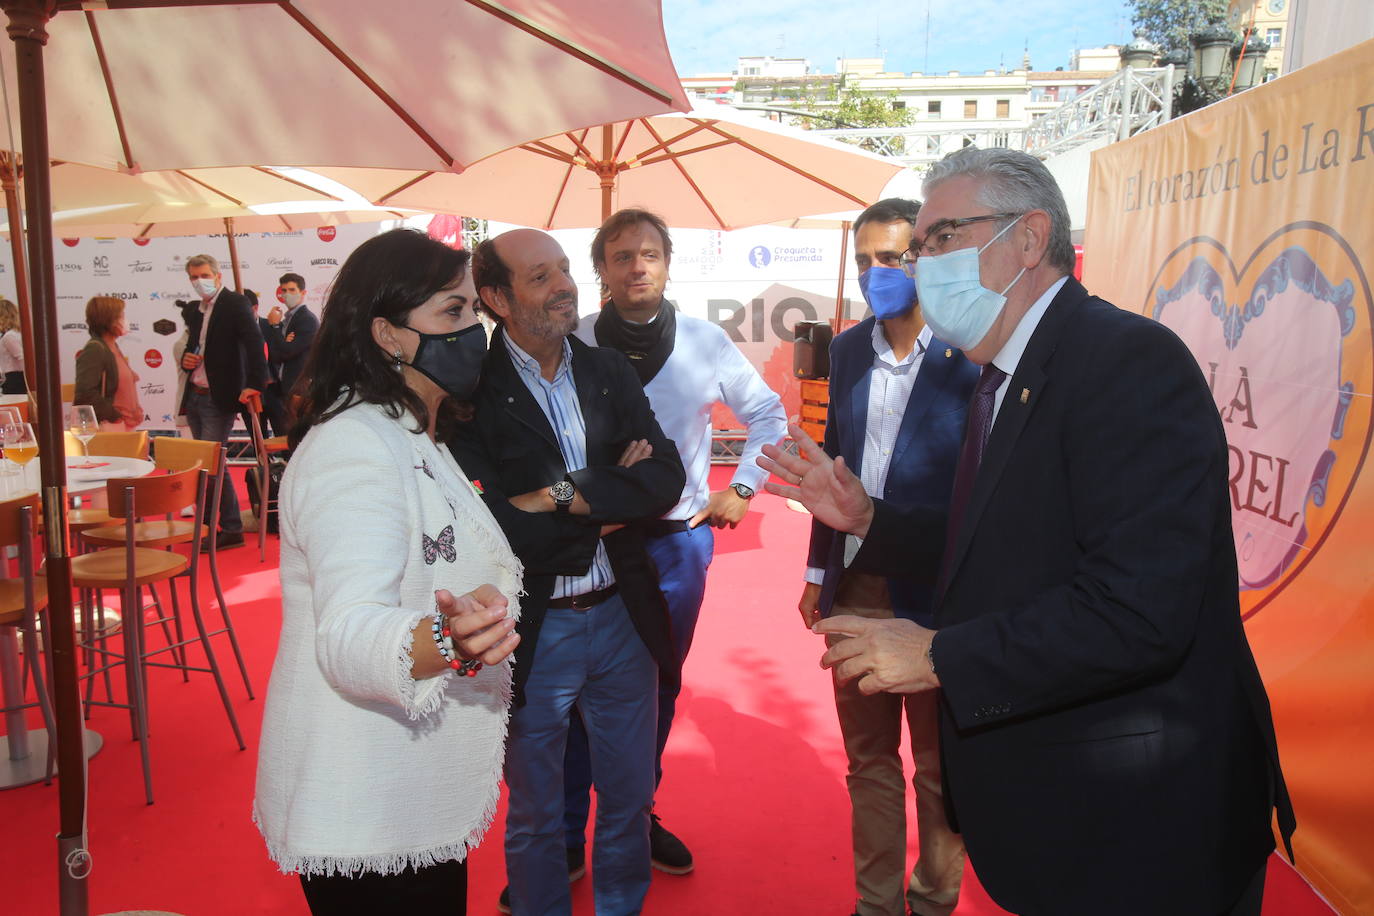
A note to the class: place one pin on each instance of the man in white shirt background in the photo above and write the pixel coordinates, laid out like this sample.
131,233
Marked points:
687,366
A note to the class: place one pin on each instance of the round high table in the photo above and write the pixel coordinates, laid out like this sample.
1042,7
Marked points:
24,752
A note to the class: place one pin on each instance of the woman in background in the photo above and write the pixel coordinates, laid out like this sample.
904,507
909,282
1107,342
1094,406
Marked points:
11,350
380,763
103,377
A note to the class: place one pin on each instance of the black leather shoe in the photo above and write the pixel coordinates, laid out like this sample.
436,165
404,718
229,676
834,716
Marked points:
223,541
577,867
666,852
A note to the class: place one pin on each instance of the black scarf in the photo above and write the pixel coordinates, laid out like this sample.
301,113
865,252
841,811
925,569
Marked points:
647,345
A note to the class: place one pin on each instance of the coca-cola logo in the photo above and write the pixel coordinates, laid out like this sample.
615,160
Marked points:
327,233
71,243
281,296
141,242
153,358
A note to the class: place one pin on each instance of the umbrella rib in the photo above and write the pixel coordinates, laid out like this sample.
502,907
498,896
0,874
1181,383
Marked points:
110,90
581,145
678,154
558,198
573,49
787,165
541,149
409,184
353,67
665,144
209,187
688,178
299,184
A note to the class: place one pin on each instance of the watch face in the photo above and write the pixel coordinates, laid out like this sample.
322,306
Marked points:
562,491
742,491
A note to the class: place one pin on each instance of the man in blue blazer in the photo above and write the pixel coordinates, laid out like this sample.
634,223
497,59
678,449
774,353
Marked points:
898,401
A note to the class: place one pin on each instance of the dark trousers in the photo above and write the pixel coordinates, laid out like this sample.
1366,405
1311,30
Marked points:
439,890
1252,898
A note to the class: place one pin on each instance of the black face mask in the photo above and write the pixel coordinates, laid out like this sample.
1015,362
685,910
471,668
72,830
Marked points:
451,361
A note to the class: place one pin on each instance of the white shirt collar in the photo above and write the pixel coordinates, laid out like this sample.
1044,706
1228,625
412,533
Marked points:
883,350
1009,357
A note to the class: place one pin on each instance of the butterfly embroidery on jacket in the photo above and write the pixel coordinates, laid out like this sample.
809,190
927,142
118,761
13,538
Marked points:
442,546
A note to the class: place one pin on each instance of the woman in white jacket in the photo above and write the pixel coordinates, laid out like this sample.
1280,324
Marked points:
384,729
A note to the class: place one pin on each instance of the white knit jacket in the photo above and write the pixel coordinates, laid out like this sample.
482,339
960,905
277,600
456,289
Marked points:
361,767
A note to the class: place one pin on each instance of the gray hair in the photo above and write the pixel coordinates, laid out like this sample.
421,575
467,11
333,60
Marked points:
1012,182
200,260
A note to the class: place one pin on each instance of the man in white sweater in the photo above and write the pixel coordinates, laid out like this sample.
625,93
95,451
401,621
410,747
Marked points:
687,366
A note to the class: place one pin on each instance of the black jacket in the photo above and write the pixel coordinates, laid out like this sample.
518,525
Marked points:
1107,740
233,350
509,448
288,356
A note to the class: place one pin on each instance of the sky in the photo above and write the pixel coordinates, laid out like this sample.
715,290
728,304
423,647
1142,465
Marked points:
706,36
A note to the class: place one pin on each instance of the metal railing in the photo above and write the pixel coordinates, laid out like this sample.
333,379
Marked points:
1124,104
1120,106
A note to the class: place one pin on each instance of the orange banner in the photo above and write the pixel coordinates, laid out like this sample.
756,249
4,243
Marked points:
1248,228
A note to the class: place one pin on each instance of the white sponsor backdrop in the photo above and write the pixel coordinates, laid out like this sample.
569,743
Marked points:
755,283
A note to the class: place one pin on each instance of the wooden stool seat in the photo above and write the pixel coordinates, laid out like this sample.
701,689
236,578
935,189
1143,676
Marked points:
12,599
107,568
275,444
156,533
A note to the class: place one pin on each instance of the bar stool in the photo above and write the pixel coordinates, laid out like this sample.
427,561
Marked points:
264,447
129,567
21,599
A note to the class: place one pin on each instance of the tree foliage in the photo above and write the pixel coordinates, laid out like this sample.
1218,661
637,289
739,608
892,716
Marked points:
1168,23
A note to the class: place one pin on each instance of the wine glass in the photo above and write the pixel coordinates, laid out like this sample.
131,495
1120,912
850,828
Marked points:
11,429
84,425
21,445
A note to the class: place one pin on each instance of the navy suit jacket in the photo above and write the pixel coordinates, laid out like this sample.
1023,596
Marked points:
1106,737
924,458
288,356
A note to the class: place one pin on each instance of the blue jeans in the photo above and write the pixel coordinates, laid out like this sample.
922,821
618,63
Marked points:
682,559
211,424
592,661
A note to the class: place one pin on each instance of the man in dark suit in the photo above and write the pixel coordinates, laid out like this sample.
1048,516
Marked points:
226,363
566,450
290,333
898,397
1107,740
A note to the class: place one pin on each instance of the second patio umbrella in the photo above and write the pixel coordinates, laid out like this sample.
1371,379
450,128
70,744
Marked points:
707,169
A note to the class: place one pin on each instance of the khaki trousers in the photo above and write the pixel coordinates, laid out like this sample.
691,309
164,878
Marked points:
872,730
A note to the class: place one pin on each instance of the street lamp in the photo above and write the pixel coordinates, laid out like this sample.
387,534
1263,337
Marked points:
1139,52
1248,61
1210,49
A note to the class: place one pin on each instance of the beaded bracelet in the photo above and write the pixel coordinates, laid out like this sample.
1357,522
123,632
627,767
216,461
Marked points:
443,641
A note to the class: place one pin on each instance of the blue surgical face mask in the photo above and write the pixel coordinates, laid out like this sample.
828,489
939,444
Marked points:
954,302
888,291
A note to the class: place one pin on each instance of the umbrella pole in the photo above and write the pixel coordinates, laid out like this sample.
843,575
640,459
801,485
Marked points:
28,21
840,315
9,178
607,171
233,253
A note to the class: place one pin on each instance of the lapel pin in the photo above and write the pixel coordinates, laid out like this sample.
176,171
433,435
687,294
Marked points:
948,352
1025,395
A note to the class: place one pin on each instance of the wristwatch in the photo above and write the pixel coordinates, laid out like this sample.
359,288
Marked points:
563,493
742,491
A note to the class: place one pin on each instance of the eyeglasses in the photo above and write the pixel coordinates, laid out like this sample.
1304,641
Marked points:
945,236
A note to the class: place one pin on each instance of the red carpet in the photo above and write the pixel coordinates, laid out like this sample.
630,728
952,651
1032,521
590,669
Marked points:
754,772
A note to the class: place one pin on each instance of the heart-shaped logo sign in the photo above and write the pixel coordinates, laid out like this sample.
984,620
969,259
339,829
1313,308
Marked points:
1284,341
